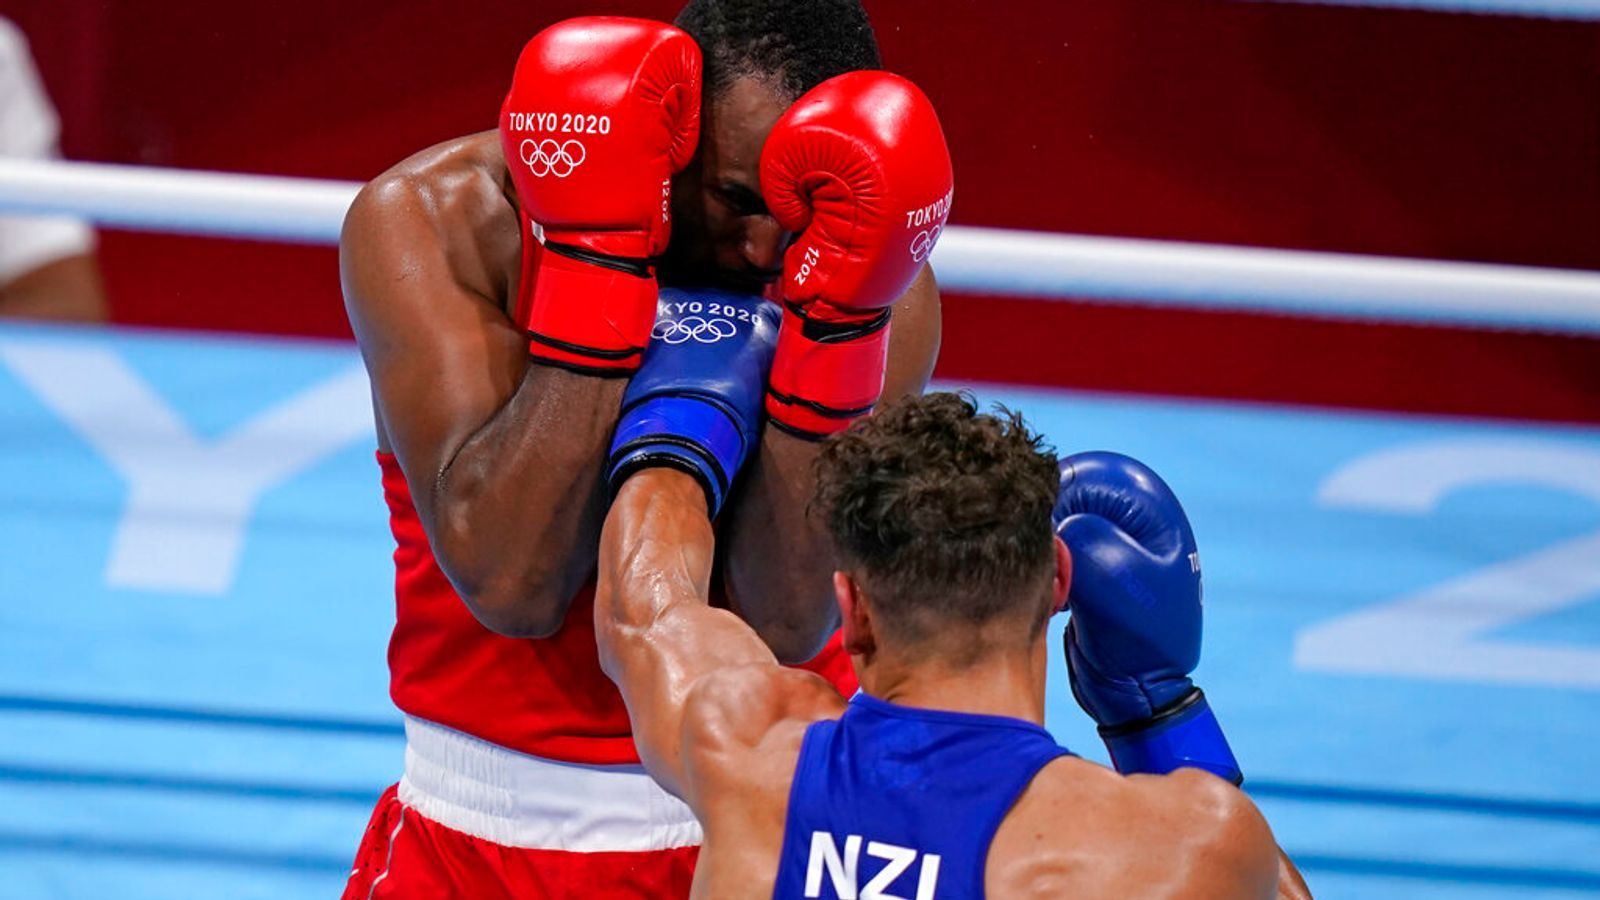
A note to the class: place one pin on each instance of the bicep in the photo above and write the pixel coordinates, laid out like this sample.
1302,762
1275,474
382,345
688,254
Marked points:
442,358
660,666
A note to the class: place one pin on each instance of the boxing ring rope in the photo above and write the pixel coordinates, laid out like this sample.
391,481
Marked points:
978,260
214,204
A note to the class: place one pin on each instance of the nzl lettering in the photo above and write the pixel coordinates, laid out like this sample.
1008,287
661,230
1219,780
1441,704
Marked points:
842,869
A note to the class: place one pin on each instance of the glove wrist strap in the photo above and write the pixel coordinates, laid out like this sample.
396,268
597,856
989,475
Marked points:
826,374
690,433
628,265
1182,734
590,312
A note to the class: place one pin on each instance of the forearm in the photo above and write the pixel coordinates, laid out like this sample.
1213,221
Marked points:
655,554
786,597
517,507
657,634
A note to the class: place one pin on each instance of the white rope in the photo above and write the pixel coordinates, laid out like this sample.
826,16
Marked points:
981,260
1289,281
177,200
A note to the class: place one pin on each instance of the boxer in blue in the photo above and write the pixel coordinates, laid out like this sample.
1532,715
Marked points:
958,537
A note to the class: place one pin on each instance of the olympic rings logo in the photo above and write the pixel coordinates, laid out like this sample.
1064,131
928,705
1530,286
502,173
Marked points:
695,328
922,244
547,157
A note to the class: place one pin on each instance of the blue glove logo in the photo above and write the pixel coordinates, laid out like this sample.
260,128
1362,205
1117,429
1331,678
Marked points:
696,328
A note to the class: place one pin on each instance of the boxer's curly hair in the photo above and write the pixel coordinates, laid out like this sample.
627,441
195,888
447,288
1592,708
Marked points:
942,514
798,43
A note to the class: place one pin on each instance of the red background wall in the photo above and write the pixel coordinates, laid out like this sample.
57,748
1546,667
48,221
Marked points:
1290,125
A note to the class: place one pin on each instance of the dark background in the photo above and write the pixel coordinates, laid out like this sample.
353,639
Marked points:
1287,125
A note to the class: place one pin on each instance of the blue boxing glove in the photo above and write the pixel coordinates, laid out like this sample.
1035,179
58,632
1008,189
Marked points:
1134,635
695,403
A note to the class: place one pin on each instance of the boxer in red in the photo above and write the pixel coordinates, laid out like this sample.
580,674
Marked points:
503,288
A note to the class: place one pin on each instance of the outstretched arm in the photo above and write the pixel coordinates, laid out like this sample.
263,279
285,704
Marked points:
658,636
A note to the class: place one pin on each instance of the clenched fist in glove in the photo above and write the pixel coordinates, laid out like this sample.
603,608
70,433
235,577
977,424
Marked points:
859,168
602,112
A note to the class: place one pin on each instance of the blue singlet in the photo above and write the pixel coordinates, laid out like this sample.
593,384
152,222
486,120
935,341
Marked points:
895,801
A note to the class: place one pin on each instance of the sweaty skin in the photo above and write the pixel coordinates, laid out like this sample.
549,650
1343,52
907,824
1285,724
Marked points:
504,457
720,724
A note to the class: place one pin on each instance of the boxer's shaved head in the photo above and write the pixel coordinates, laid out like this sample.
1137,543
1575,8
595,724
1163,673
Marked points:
797,44
942,515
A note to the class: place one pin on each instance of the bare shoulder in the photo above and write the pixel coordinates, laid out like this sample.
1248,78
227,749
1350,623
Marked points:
1082,828
1218,815
743,728
448,202
743,725
455,172
736,708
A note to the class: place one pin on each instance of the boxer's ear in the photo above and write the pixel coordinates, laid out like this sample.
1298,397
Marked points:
854,616
1061,584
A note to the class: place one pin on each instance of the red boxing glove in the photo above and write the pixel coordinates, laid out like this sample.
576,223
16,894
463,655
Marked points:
860,168
601,113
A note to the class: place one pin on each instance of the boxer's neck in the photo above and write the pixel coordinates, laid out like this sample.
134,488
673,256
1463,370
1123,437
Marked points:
1009,683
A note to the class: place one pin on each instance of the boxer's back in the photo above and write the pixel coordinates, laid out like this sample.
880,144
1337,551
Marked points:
958,816
1082,830
903,800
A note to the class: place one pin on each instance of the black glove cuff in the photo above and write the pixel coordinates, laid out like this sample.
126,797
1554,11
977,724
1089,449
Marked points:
826,332
628,459
1172,710
628,265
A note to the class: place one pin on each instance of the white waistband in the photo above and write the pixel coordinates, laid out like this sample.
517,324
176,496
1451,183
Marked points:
517,800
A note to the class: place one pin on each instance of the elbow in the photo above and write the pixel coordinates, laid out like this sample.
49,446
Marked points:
506,592
509,589
511,608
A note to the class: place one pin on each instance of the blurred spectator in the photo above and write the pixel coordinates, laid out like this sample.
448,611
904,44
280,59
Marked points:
47,263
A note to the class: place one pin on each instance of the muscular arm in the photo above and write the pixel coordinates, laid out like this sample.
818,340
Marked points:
503,458
660,640
1231,848
788,597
